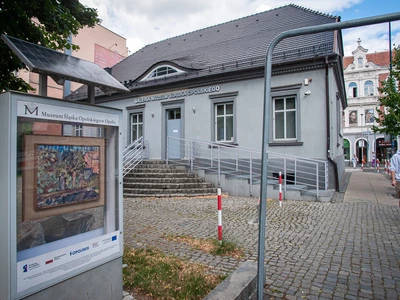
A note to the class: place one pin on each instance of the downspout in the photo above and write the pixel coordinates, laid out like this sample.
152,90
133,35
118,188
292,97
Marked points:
328,124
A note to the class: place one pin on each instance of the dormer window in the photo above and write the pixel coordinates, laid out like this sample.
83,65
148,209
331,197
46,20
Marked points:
162,71
360,62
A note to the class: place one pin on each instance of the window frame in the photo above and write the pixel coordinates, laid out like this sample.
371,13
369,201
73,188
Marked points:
370,88
223,99
360,62
137,124
155,70
286,91
353,87
285,112
224,117
137,109
78,130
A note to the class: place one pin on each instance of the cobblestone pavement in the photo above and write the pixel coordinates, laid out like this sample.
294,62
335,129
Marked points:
313,250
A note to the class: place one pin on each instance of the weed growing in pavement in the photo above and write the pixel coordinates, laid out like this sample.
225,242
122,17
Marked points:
165,277
211,246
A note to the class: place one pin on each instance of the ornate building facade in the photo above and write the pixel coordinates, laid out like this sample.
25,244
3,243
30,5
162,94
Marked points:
363,73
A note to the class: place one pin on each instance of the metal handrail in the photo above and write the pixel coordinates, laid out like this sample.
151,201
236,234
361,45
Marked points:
133,154
240,162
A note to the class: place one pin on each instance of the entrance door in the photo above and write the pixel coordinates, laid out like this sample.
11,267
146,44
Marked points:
174,128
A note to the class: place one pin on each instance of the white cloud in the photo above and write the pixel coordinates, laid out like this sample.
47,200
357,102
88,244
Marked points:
375,38
143,22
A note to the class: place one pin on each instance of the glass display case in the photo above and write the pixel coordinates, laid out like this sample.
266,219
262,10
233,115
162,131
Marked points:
61,169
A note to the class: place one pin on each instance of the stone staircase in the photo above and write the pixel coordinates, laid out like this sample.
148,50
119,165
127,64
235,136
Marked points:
154,178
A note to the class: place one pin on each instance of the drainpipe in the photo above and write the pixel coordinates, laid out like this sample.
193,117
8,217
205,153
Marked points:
328,125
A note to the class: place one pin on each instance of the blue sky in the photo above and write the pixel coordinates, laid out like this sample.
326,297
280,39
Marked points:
143,22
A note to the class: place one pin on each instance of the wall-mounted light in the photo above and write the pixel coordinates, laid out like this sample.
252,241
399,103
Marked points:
115,44
307,93
152,114
194,109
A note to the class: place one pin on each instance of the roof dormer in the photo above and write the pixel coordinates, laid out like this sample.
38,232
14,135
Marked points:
162,71
360,56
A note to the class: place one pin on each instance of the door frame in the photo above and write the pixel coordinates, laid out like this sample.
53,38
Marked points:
168,105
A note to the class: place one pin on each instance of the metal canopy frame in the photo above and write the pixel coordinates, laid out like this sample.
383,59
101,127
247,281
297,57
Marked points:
61,67
266,119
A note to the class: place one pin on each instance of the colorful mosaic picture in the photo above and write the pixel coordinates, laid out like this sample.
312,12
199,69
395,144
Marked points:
66,175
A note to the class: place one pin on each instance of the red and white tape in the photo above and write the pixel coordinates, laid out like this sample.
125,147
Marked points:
219,215
280,189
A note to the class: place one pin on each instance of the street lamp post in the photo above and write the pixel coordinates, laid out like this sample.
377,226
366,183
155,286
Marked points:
362,143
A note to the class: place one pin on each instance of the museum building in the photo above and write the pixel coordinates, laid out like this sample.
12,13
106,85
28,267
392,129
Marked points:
209,85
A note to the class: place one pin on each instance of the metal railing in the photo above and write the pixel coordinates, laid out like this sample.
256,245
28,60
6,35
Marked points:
297,172
133,154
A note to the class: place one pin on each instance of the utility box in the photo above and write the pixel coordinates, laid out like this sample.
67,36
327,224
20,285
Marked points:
61,199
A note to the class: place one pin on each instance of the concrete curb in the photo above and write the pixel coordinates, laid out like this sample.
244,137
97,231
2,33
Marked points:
240,285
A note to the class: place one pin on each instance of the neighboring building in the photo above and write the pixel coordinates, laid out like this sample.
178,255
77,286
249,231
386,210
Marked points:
363,73
209,85
97,44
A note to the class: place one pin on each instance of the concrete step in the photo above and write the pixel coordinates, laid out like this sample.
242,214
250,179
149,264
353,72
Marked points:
160,175
150,185
181,194
130,180
158,170
157,179
203,191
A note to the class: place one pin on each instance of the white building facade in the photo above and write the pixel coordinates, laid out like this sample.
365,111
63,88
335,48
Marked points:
363,74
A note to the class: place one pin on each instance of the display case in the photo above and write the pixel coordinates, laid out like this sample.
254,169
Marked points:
61,185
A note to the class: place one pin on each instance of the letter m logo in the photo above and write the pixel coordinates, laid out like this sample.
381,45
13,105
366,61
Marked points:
31,109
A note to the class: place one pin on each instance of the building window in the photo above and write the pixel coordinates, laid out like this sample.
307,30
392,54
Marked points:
136,126
368,88
353,90
285,118
346,149
360,62
78,130
162,71
224,122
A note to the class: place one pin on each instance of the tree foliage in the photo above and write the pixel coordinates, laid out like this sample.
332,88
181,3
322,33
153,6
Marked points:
45,22
389,116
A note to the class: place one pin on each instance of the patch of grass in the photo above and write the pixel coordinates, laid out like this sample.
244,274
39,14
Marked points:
212,246
164,277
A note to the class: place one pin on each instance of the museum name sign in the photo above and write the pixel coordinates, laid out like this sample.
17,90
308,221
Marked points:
175,95
59,113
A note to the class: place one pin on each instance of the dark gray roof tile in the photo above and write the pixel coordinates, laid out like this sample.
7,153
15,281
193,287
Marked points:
234,43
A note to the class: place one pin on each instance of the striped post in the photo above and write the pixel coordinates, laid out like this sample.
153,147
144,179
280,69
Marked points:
219,216
362,165
385,170
377,167
280,189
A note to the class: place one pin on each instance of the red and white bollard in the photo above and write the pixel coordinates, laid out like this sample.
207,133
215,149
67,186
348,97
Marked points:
377,166
219,216
280,189
385,170
362,166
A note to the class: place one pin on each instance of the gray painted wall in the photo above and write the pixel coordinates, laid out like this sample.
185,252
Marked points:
248,113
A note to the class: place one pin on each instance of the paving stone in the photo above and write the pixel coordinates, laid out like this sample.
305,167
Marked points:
326,250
